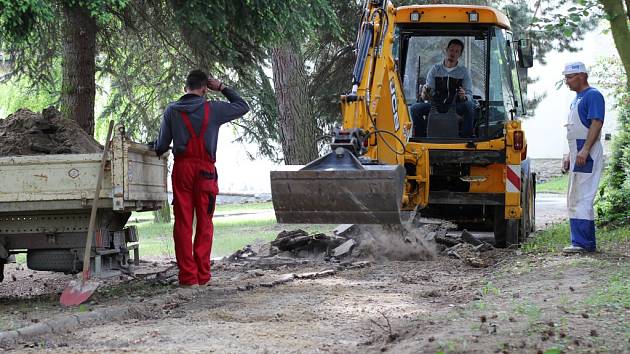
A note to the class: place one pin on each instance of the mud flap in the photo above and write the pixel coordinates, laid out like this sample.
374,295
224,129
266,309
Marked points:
338,189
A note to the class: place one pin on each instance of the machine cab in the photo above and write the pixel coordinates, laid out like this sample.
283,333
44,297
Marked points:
489,58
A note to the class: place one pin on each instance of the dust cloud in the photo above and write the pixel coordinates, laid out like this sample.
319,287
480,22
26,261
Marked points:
394,243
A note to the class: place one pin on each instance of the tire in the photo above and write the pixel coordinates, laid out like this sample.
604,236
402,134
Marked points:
55,260
528,205
506,231
532,214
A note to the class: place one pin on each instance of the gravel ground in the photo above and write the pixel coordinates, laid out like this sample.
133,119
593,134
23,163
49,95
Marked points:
518,304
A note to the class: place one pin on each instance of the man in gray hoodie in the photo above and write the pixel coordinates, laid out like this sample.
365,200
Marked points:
449,83
192,124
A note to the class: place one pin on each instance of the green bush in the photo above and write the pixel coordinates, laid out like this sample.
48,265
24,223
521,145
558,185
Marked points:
613,202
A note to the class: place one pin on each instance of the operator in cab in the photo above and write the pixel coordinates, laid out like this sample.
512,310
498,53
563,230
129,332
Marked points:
448,83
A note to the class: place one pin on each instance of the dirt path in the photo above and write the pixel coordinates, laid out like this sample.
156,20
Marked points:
521,303
524,303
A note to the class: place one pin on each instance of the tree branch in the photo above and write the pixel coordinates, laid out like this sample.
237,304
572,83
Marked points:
620,31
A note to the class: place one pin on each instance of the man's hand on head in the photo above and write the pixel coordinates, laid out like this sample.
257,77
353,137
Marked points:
215,85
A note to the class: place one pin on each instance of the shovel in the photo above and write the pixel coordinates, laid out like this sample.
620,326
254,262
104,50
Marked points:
77,291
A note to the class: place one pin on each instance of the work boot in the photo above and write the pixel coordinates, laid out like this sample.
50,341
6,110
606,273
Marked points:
573,249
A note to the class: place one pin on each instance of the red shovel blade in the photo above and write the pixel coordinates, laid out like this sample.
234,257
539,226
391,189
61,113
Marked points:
77,291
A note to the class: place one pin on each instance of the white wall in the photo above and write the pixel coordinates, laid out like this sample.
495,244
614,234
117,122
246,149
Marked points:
237,173
545,131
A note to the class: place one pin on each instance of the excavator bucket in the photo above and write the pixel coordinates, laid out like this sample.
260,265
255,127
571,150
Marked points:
337,188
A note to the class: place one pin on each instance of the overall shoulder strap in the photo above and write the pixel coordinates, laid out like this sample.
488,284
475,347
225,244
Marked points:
206,119
188,125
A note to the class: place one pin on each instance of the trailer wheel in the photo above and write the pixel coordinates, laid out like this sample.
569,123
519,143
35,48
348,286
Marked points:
55,260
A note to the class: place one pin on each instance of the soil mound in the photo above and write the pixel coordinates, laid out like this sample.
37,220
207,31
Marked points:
28,133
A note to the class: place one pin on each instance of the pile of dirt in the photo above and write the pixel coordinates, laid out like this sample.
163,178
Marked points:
28,133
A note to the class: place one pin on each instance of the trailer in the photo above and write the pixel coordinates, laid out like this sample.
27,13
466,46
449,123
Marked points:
45,204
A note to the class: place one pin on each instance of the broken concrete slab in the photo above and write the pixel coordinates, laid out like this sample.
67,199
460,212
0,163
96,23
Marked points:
344,230
312,275
470,238
344,249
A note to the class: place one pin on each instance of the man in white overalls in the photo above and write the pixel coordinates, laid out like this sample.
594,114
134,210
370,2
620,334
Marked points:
586,156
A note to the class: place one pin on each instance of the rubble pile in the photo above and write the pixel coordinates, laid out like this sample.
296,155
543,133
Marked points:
346,242
29,133
468,248
295,244
374,242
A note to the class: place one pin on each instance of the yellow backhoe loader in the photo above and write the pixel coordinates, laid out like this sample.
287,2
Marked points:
380,165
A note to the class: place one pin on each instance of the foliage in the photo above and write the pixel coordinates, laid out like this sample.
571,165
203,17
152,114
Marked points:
18,18
16,94
613,202
617,13
31,34
147,62
146,48
547,31
560,24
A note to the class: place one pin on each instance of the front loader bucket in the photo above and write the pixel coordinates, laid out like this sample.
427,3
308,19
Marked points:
337,189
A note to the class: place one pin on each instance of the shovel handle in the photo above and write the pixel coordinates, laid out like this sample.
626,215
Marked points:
97,192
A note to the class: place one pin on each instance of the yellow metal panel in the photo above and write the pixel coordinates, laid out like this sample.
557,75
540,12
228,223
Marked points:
380,101
417,187
513,157
496,144
494,182
451,14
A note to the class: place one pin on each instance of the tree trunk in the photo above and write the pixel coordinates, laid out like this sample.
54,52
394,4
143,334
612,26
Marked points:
78,86
298,128
620,28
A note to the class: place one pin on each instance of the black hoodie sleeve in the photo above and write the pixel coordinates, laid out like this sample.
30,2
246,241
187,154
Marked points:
224,112
166,135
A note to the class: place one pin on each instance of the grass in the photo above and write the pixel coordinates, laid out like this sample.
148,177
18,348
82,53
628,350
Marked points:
247,207
556,237
229,234
156,239
616,293
554,185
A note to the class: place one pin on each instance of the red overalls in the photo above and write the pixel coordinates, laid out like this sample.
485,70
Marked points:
195,188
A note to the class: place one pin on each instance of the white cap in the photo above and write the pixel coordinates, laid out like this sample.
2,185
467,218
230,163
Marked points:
574,68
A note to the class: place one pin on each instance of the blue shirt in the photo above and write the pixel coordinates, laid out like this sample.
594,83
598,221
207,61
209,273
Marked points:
590,105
